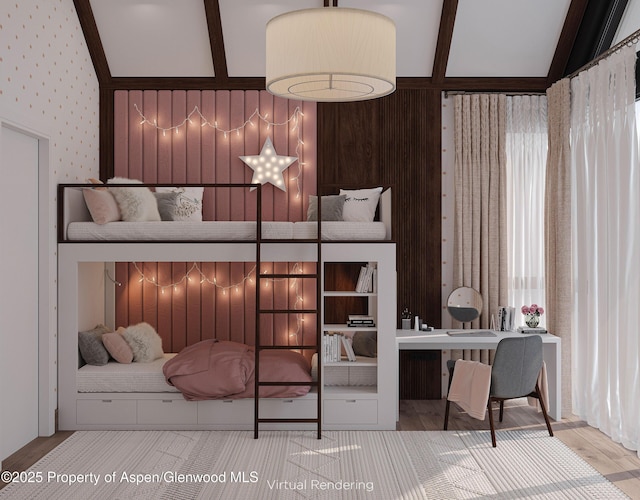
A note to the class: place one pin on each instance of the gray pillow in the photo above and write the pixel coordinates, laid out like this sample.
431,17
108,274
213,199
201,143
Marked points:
331,208
167,203
365,344
91,347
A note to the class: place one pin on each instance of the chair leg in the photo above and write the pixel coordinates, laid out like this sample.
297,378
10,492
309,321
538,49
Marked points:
501,409
493,430
544,411
446,415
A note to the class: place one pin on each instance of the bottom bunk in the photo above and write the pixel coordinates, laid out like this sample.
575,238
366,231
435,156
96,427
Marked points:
209,385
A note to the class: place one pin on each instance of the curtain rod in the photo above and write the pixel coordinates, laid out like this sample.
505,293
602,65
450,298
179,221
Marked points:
632,39
447,93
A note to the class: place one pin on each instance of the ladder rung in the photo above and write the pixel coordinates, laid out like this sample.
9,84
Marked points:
284,420
288,275
290,347
273,384
288,311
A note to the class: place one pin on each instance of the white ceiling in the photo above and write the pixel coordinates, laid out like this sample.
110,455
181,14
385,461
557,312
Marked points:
491,38
154,38
630,22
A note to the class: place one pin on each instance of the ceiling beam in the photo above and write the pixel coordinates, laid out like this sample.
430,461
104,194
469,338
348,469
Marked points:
187,83
445,34
572,23
94,44
515,84
216,39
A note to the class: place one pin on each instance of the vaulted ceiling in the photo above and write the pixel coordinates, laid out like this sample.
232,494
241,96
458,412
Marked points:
508,45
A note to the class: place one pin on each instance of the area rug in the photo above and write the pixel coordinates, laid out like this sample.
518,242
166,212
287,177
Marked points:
295,465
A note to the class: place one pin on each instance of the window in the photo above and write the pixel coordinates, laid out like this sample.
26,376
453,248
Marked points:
526,150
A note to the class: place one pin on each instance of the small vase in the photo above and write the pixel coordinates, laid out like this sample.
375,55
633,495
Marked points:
531,320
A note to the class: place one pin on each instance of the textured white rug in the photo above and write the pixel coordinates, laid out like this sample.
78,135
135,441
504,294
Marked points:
283,465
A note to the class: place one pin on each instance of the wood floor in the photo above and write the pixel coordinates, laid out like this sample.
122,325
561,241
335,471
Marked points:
617,464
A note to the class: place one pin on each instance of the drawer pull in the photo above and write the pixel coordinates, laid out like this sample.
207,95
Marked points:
167,400
106,400
288,401
228,401
350,401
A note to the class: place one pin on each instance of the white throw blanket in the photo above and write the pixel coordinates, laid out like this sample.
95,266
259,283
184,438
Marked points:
470,387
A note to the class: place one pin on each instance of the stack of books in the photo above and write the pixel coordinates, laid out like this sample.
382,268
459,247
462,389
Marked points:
360,321
334,344
367,280
526,329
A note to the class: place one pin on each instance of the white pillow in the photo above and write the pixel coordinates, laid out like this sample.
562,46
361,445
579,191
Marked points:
188,203
137,204
360,204
145,343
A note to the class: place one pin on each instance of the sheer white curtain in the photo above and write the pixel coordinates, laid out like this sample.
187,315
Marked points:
526,152
606,249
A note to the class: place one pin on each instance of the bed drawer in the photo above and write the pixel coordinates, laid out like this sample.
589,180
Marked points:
350,411
288,408
226,411
105,411
167,411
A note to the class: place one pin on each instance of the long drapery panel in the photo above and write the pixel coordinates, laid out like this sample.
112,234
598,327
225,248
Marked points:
557,227
606,248
480,245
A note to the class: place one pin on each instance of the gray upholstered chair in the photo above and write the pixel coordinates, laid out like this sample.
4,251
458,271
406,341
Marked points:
514,374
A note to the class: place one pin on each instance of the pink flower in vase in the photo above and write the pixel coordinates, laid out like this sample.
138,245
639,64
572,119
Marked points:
524,310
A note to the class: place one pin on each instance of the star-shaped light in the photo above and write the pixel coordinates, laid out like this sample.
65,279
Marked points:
268,165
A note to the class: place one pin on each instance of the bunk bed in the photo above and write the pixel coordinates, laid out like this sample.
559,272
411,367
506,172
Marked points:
136,396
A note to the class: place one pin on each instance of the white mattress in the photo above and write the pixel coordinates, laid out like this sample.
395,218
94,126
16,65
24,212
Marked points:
222,231
119,377
178,231
343,230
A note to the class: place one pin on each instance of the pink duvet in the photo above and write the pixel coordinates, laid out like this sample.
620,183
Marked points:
214,369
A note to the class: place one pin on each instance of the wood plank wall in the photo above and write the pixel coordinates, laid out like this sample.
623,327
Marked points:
195,311
395,140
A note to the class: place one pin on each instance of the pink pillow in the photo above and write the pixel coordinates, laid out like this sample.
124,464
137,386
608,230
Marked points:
117,346
102,205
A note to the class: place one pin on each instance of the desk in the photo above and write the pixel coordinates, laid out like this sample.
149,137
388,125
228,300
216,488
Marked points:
439,339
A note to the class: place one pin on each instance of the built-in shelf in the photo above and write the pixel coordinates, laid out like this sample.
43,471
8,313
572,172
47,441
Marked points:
345,328
360,361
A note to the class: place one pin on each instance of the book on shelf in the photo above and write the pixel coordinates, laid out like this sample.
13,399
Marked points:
366,279
332,345
361,324
356,317
361,278
348,348
361,320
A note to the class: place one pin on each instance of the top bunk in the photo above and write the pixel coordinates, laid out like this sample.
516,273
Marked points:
127,211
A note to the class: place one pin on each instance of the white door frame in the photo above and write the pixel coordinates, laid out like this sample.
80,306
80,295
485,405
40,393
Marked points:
47,316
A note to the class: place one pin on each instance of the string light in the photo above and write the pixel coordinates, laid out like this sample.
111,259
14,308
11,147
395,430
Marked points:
195,269
294,118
